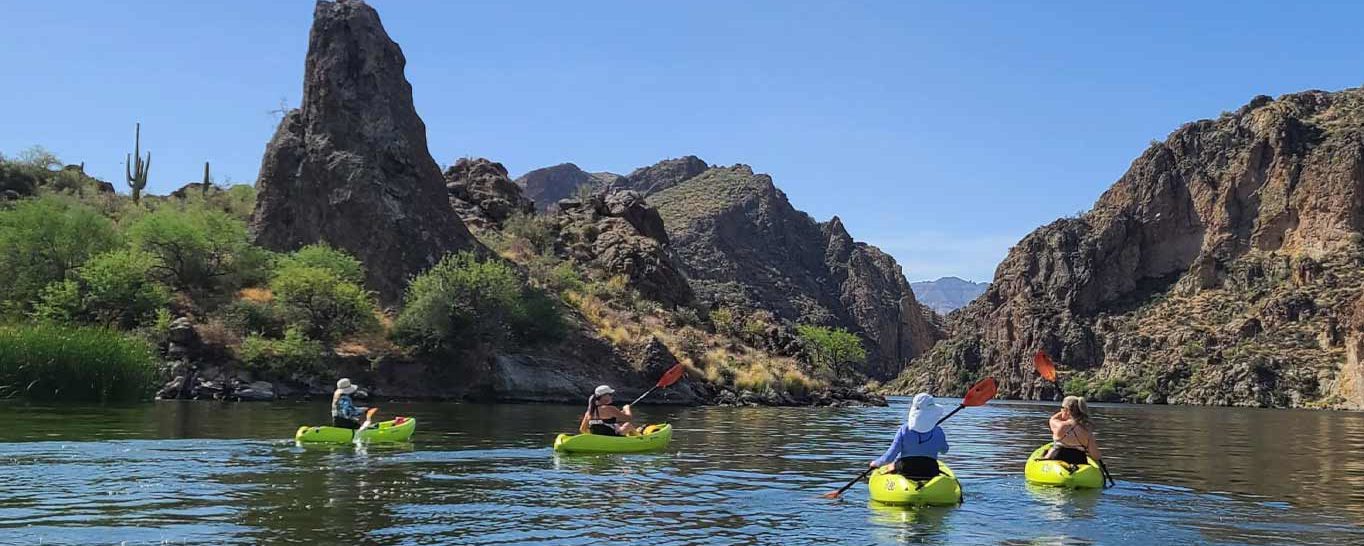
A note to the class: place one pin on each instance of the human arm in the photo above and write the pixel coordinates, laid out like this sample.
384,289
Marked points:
1058,424
893,452
943,449
582,426
1093,447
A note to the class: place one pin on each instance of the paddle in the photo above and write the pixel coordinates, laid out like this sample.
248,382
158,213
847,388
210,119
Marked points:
669,377
977,395
1047,369
368,415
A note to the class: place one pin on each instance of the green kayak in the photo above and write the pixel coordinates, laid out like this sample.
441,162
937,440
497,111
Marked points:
655,437
387,432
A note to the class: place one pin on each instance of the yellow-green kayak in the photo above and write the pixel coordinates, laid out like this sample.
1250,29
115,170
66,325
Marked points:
1048,472
887,487
655,437
397,430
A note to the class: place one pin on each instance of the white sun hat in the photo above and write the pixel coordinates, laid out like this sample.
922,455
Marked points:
345,387
923,413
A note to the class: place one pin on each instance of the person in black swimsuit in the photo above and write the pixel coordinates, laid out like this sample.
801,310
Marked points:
1072,433
603,418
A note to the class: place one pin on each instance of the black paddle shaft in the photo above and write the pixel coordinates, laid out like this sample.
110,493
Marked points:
954,412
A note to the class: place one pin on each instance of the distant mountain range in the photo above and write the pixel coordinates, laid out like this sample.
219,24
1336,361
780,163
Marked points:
948,293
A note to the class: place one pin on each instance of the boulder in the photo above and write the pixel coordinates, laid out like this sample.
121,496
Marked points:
482,194
256,391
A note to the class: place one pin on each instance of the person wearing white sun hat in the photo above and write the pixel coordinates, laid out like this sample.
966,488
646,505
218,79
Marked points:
344,412
918,442
603,418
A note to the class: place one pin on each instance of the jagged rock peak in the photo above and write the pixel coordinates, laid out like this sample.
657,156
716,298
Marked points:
350,166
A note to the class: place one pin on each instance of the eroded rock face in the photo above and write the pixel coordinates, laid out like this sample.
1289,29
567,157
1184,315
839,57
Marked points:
351,166
622,235
743,244
482,193
1196,278
548,185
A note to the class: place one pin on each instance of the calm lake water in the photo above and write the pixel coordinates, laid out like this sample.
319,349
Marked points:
484,474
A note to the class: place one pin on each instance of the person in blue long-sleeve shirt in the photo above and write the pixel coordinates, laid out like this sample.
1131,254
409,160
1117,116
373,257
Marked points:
918,442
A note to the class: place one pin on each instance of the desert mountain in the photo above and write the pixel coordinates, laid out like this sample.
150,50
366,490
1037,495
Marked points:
742,244
1223,268
947,294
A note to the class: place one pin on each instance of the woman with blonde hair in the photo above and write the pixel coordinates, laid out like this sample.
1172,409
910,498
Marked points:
1072,433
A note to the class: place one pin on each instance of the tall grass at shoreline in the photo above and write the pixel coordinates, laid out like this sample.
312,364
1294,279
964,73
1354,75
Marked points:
45,362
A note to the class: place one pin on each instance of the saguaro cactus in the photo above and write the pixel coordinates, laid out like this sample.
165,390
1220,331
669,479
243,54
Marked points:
207,181
135,169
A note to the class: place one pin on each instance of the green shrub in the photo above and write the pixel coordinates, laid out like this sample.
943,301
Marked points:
754,327
1077,386
534,229
726,321
830,348
43,241
114,289
342,265
20,178
463,302
295,354
253,318
47,362
564,278
322,305
194,249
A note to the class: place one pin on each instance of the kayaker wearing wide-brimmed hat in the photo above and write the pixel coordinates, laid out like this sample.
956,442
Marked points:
918,442
1072,433
603,418
344,412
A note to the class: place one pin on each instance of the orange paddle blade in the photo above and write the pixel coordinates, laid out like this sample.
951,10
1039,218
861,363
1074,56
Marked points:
1044,366
671,376
981,392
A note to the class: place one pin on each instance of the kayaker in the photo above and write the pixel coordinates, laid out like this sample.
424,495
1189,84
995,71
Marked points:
1072,433
918,442
344,412
603,418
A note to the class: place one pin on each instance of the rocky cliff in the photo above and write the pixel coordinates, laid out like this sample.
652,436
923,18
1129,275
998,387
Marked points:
743,244
620,234
548,185
350,166
1220,269
947,294
482,194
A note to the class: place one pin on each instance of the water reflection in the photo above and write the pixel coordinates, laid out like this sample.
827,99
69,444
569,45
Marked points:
484,474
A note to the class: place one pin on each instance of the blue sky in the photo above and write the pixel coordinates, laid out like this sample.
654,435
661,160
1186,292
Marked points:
940,131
